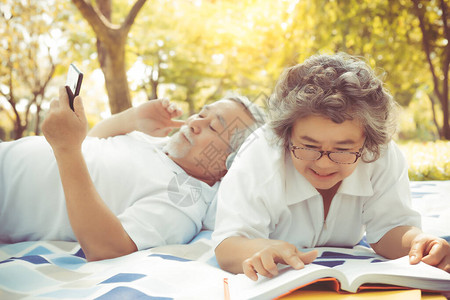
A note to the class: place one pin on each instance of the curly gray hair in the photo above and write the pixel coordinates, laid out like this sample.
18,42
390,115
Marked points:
340,87
238,137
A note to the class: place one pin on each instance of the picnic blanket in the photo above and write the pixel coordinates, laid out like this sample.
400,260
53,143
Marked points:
59,270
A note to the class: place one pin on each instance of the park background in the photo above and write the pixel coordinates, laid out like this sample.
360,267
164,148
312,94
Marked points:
194,51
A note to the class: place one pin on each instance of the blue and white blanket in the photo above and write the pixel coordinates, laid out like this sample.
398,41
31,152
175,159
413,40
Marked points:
58,270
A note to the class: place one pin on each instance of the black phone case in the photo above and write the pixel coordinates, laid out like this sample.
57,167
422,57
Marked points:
77,87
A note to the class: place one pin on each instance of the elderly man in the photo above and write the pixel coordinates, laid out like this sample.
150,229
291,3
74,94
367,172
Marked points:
126,186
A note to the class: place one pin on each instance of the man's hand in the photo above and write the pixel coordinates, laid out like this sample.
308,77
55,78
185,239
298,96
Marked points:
99,232
265,261
431,250
63,128
155,117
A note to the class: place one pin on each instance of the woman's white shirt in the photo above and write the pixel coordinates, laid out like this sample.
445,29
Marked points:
264,196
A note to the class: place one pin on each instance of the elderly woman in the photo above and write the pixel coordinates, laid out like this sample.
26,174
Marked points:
324,172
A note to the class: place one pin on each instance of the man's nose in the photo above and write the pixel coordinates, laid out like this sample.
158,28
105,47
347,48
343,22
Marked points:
196,125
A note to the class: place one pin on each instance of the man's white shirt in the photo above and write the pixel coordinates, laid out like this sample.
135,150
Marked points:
155,200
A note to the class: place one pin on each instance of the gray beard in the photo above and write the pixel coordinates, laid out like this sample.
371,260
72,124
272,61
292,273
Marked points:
177,146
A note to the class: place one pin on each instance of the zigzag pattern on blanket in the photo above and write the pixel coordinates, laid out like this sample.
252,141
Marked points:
59,270
55,270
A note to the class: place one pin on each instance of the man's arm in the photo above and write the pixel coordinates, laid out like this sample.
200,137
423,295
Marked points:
153,117
117,124
97,229
259,256
408,240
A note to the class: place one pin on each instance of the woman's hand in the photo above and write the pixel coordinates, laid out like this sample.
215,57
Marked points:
265,261
431,250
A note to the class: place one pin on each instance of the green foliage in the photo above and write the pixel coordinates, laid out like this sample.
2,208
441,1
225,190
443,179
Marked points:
427,160
221,46
33,45
416,120
194,51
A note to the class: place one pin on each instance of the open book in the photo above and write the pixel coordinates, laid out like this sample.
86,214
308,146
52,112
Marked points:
350,269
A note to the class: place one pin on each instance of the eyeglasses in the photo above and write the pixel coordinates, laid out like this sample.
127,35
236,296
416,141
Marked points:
339,157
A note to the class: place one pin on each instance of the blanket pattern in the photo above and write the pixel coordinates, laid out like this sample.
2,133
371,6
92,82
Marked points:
59,270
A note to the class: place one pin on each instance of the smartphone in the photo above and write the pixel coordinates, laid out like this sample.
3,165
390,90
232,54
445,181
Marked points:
73,82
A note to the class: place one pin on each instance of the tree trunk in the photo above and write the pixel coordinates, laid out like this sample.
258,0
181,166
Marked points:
442,95
116,81
112,63
111,42
154,86
433,110
445,70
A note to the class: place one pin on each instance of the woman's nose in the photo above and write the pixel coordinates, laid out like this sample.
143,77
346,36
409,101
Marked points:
324,161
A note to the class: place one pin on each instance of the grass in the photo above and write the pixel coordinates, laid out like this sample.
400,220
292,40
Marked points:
427,160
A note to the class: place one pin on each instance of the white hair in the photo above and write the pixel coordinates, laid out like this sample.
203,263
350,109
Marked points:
238,137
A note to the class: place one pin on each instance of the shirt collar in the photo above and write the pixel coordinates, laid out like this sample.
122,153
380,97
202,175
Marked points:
358,183
176,169
297,187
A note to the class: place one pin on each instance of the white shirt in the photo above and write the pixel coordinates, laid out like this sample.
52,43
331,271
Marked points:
264,196
155,200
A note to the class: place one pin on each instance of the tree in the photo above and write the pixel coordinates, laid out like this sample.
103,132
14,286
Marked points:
222,46
152,43
111,44
27,62
435,28
387,33
178,52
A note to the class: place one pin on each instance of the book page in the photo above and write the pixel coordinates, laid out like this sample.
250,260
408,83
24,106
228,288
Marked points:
362,266
242,287
357,266
396,272
365,295
288,279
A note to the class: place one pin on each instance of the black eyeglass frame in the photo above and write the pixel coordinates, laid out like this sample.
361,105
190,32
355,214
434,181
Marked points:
322,152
